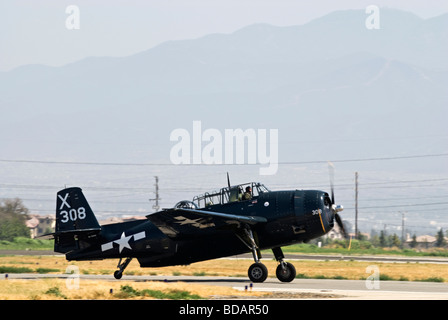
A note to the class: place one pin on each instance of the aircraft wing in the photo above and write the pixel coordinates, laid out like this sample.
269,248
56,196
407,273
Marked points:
185,223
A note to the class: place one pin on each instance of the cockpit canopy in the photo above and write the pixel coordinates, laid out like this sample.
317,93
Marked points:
229,194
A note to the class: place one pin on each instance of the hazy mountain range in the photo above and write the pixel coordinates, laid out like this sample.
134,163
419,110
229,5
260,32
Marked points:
333,88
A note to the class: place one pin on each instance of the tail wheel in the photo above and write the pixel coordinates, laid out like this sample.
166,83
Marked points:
258,272
121,266
285,272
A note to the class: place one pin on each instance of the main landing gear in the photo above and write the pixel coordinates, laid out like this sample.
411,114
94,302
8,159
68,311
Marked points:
121,266
258,272
285,272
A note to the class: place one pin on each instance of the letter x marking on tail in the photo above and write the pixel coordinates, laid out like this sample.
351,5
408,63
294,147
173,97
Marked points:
64,201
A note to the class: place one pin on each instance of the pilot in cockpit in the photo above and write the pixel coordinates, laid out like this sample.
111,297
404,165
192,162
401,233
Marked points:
248,194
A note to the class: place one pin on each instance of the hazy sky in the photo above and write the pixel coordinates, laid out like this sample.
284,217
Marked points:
35,31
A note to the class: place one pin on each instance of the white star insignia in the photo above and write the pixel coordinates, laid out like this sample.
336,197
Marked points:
123,242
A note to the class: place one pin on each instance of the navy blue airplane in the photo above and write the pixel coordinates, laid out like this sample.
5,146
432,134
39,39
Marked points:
233,220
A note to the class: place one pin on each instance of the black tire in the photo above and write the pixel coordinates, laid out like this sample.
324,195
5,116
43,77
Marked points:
286,274
258,272
118,275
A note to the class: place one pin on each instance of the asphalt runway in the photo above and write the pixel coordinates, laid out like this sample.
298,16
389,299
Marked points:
288,256
316,288
299,288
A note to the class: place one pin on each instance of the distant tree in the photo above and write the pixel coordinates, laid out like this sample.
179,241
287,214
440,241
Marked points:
361,236
383,241
395,241
414,243
375,240
13,215
440,239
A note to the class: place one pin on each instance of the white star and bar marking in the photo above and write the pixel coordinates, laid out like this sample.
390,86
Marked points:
123,241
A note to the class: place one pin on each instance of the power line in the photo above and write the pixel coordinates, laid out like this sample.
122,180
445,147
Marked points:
136,212
371,159
29,186
216,164
404,205
368,185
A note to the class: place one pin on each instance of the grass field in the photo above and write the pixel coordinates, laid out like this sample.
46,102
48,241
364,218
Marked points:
340,247
352,270
55,289
90,289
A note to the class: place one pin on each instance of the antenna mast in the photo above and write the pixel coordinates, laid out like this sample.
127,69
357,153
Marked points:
356,205
156,206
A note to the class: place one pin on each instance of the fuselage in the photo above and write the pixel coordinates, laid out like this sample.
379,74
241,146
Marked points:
292,217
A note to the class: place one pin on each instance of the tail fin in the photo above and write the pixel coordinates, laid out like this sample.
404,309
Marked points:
74,220
73,212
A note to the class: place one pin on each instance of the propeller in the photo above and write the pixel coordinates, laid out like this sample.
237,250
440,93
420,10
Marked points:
335,208
331,171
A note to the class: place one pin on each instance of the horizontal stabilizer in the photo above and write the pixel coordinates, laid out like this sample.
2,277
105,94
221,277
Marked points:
79,232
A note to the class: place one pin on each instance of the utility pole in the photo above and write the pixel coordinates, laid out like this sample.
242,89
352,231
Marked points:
156,206
402,230
356,205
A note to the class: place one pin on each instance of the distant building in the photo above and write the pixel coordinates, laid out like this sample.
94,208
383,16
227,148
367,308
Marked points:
422,242
40,225
336,234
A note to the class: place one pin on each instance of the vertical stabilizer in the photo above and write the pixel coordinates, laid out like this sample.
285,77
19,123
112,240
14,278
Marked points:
73,211
75,220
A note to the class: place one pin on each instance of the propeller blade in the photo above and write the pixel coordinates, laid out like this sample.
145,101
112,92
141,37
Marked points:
334,207
341,225
228,180
331,171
